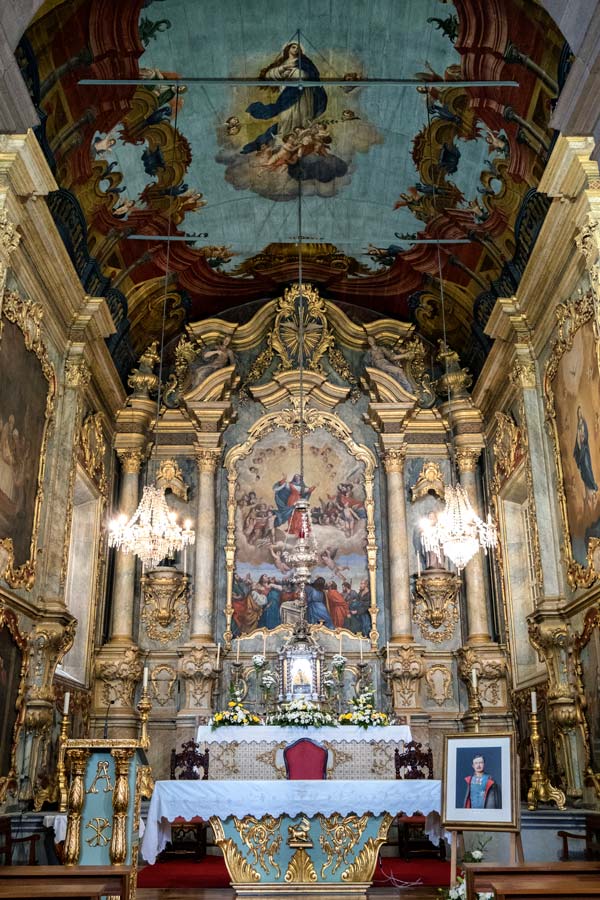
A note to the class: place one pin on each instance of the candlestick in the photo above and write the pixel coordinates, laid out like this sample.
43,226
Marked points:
361,652
237,655
541,789
61,773
533,702
145,679
218,654
66,703
387,654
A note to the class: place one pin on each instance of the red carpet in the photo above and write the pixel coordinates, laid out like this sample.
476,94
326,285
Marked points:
212,873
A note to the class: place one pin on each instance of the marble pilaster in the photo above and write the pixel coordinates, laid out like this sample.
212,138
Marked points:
125,563
401,625
204,563
478,628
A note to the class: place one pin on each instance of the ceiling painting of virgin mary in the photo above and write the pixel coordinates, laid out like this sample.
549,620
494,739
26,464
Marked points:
265,129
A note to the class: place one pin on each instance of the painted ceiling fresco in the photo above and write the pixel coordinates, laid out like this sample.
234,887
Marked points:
360,171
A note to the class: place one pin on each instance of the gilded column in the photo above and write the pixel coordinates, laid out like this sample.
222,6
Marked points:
124,581
466,459
204,560
401,626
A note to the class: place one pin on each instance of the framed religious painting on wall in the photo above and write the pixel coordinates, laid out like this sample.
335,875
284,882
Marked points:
480,782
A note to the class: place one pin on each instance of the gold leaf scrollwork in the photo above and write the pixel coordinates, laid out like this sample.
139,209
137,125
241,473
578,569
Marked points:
93,450
339,837
262,837
430,481
238,866
363,867
436,604
301,869
165,610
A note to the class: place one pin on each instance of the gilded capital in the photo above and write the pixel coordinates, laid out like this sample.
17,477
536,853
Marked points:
131,461
208,460
523,373
393,460
9,236
77,373
466,458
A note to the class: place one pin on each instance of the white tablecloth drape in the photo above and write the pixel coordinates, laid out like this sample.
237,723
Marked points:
191,799
254,734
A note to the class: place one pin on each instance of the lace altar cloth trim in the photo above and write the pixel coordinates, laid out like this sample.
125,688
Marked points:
190,799
259,734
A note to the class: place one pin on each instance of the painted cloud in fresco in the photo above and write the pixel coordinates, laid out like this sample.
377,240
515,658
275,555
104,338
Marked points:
274,138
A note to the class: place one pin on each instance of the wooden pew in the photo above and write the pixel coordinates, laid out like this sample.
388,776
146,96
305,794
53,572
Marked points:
64,881
548,887
479,876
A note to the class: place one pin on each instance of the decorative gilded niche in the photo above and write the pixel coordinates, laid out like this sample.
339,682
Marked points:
26,417
165,609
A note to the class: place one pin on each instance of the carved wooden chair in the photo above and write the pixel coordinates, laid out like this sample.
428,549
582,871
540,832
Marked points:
8,842
413,763
305,759
591,838
188,838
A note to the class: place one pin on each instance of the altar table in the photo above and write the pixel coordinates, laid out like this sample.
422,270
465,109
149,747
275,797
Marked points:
292,836
255,752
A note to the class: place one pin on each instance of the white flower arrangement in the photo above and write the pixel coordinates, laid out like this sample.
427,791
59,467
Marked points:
459,891
268,680
235,714
363,712
258,661
338,661
301,714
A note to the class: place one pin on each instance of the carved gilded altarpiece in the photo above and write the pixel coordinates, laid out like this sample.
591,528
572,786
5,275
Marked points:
264,483
572,388
26,407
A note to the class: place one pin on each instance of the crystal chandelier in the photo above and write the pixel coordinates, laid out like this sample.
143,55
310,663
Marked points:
152,533
458,532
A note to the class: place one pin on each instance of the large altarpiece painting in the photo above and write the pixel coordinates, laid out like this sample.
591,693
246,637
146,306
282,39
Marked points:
265,484
26,405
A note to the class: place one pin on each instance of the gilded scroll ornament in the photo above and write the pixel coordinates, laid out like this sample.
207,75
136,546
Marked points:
120,676
435,604
507,448
98,827
8,620
301,869
238,866
78,759
430,481
406,670
118,842
165,610
439,684
77,373
170,477
93,450
162,688
263,839
9,236
198,670
339,836
523,373
363,867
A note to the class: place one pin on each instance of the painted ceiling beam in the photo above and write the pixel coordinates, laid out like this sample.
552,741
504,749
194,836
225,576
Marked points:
190,239
261,82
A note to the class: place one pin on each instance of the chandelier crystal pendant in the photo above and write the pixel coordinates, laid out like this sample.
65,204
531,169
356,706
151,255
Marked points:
459,533
153,532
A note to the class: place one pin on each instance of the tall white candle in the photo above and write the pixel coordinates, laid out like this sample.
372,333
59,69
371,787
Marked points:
145,679
340,650
361,652
474,677
218,654
237,655
387,654
534,702
264,643
418,564
66,702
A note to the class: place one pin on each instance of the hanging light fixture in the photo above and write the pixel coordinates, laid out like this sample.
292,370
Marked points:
458,532
153,532
300,551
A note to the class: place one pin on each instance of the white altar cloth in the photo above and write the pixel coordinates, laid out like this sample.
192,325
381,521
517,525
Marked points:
249,734
201,799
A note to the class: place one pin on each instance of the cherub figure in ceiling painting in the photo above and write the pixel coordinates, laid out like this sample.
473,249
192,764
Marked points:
298,144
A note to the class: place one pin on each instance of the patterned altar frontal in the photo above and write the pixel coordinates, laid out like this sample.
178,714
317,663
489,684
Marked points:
257,753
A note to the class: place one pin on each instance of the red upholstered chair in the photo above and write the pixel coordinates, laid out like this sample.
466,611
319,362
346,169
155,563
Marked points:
305,759
413,763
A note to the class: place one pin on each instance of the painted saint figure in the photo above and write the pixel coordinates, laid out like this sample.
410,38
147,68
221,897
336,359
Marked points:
581,453
316,604
389,361
482,790
287,494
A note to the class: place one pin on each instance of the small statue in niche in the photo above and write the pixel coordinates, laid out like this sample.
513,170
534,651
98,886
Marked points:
390,361
142,379
429,558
